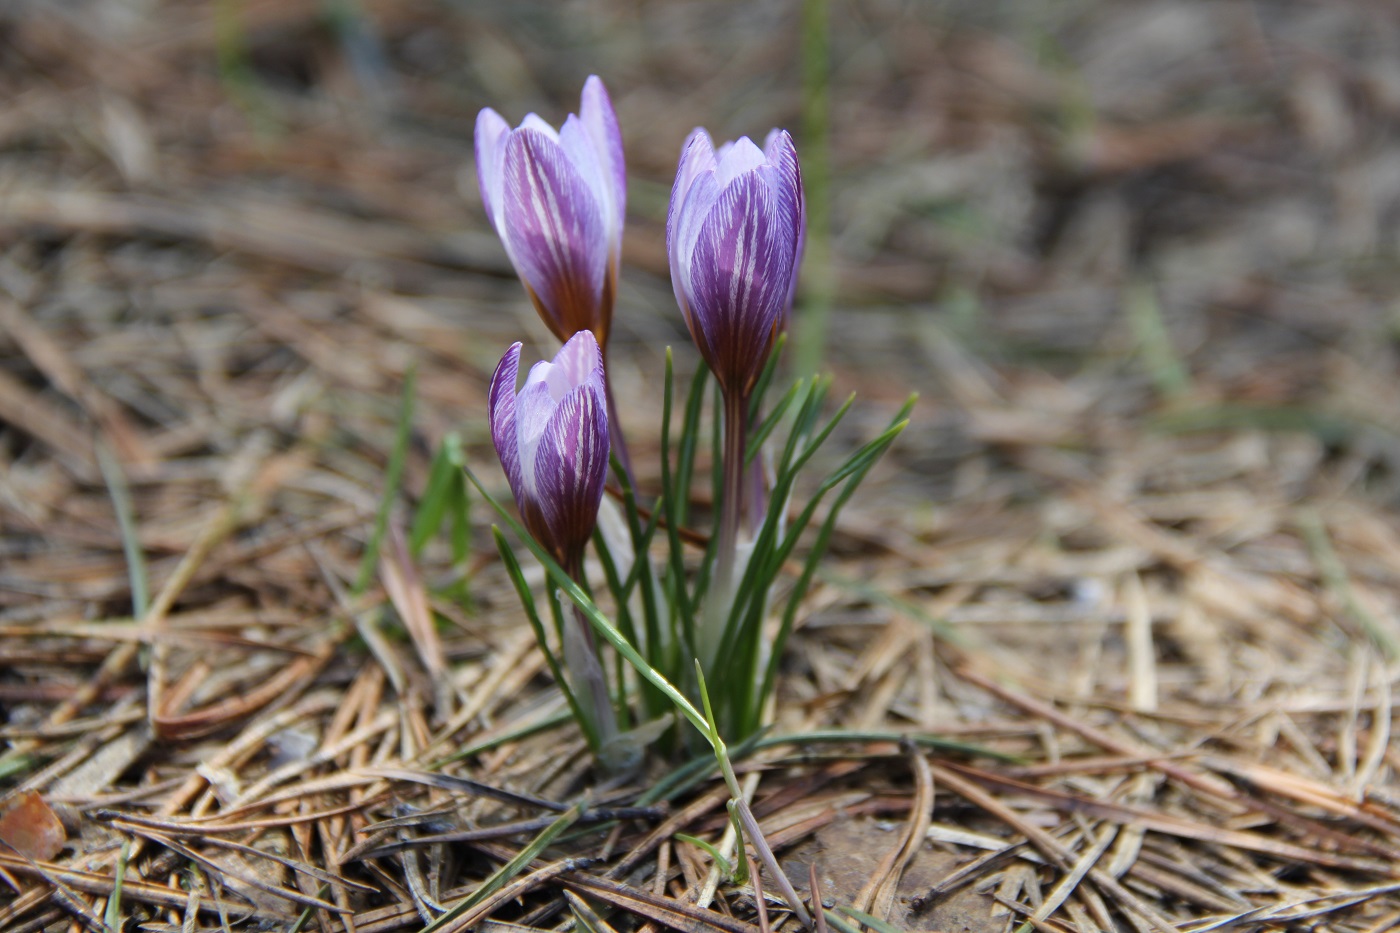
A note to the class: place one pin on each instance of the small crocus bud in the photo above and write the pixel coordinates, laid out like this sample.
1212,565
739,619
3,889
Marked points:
552,438
557,199
734,238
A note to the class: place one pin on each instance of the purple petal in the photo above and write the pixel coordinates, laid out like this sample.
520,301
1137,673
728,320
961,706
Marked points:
736,159
553,231
740,277
571,468
534,121
697,158
688,210
600,120
533,408
690,219
500,413
491,127
780,152
578,149
578,362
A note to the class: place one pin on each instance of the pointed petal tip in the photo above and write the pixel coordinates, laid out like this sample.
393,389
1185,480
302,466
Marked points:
736,158
501,415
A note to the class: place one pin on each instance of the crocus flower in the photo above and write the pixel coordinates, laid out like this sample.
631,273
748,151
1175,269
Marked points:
557,199
734,238
552,438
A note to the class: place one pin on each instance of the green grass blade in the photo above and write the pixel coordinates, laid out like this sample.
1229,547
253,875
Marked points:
120,492
689,442
502,876
1164,366
444,480
674,495
765,378
766,427
112,917
725,866
874,923
527,602
600,623
393,476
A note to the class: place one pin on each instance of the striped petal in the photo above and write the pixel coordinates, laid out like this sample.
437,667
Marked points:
600,121
571,465
740,278
500,413
737,158
692,195
553,231
780,153
533,408
491,129
578,362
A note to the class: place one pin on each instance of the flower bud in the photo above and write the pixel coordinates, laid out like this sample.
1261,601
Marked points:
557,199
552,438
734,239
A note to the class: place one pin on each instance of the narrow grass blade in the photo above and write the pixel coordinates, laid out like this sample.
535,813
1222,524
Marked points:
765,378
527,601
444,498
600,623
509,870
774,417
674,495
874,923
112,917
120,492
393,476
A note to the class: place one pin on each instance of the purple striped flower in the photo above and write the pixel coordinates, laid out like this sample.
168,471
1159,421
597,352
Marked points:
734,238
552,438
557,199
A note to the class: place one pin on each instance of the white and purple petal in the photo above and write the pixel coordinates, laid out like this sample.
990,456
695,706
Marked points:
737,158
780,152
741,272
579,362
571,464
600,120
579,150
697,160
553,231
491,130
500,414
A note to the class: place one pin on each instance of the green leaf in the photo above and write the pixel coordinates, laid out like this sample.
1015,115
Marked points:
770,367
595,617
502,876
673,495
527,601
445,495
875,923
766,428
392,477
724,864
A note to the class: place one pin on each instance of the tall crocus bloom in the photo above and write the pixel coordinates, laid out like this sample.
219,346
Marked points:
557,199
552,438
734,238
